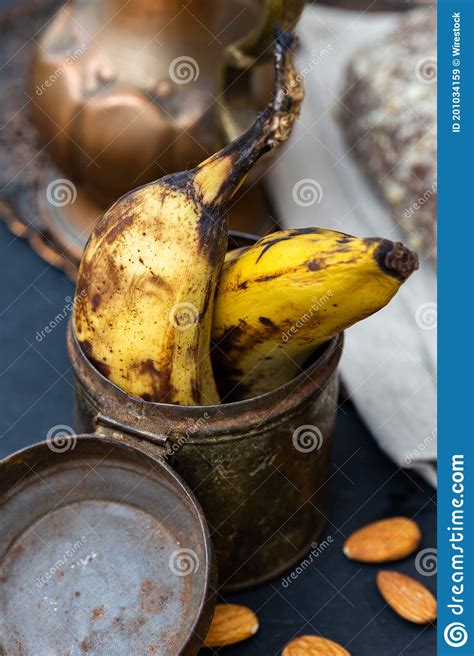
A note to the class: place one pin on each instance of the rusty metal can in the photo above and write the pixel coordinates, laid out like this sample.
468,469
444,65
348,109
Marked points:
106,527
146,500
258,467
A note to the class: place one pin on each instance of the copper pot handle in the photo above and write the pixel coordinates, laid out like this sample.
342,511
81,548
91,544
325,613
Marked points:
257,43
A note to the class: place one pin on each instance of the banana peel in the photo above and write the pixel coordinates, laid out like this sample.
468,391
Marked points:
147,279
291,292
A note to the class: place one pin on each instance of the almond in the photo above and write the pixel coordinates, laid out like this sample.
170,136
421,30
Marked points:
314,646
383,541
231,624
409,598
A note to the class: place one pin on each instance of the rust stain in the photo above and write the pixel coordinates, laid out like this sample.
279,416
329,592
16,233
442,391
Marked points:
118,622
86,646
153,598
98,613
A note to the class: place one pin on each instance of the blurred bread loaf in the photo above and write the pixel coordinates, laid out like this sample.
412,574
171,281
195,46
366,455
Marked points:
388,113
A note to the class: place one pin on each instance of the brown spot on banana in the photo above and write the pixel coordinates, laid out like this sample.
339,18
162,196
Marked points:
268,323
159,281
315,264
267,278
160,382
101,366
95,302
119,228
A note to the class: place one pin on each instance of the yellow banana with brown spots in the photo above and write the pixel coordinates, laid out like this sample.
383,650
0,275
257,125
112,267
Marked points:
278,300
148,275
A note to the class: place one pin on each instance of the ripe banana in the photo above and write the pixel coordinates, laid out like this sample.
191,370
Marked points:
278,300
148,275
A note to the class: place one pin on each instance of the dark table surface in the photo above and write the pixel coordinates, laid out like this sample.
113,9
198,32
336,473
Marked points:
333,596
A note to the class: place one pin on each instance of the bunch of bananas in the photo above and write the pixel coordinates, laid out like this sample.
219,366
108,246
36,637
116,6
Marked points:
155,285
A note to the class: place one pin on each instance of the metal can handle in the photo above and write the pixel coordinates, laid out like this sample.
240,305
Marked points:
104,421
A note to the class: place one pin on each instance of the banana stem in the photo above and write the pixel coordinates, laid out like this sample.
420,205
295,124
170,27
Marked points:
272,127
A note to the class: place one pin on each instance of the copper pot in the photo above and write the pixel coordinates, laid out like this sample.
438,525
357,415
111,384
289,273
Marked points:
127,91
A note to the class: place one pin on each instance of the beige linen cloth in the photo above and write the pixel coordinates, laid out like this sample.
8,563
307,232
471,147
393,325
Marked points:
389,360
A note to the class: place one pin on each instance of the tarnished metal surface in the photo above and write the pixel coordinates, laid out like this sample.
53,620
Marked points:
59,234
103,551
132,106
260,482
129,107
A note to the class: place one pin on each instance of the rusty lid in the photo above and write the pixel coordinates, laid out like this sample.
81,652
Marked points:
103,550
